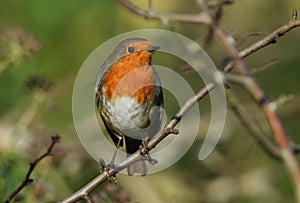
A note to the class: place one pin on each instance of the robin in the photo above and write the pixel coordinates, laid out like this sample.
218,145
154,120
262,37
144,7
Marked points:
128,88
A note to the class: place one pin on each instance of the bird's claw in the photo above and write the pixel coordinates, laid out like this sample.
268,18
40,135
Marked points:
111,165
102,163
143,148
150,159
105,169
145,153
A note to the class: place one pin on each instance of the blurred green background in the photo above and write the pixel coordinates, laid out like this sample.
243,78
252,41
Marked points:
68,31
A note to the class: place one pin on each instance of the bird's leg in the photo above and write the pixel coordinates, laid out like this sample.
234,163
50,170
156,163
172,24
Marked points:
145,153
102,164
105,167
143,147
112,162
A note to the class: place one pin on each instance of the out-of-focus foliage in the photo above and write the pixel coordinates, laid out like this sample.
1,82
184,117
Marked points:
44,43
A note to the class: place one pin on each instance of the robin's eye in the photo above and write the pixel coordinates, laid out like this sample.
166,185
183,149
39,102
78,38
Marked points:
130,49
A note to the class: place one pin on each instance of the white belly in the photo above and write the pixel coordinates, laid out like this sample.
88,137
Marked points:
127,116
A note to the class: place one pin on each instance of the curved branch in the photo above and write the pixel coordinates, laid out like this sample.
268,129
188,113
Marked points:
260,138
32,164
164,18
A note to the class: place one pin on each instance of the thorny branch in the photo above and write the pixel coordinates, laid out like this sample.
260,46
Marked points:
32,164
83,193
259,96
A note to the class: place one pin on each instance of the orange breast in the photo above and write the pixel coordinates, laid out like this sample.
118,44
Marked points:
130,76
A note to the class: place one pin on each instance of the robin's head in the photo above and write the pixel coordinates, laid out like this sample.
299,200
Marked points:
128,71
130,47
133,45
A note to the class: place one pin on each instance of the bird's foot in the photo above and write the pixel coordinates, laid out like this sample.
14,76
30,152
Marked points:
149,159
105,169
102,163
143,148
145,153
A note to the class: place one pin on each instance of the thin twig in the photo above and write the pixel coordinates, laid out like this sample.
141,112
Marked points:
259,96
32,164
269,39
164,18
216,3
218,14
262,68
254,131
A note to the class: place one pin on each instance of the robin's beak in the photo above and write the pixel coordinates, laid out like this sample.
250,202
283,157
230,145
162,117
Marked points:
153,48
